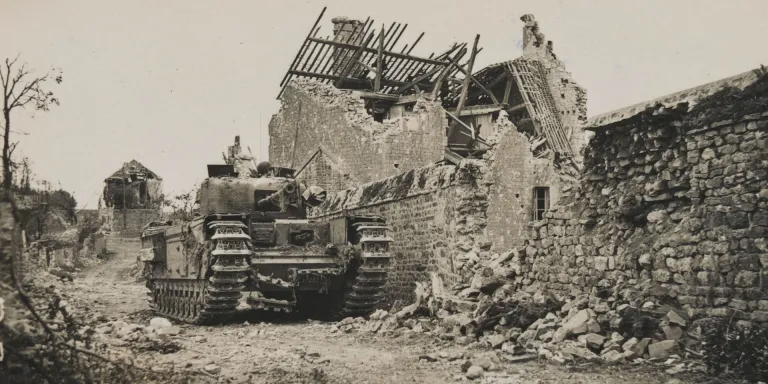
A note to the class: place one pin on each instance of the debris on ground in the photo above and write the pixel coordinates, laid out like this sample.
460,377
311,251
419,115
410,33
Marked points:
632,324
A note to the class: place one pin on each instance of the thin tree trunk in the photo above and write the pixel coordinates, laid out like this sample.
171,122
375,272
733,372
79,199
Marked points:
6,149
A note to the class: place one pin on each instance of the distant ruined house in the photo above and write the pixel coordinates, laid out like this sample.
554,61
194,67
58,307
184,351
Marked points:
133,186
132,197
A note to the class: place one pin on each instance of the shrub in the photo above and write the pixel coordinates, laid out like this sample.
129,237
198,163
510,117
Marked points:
741,350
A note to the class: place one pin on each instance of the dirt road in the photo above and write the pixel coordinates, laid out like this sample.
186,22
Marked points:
259,348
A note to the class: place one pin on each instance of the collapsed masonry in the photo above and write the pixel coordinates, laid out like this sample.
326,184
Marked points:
357,109
439,153
659,254
132,197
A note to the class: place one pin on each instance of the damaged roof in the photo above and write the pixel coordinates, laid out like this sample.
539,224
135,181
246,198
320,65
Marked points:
690,96
351,56
133,167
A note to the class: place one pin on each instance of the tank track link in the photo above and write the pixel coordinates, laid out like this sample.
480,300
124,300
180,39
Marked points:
367,290
217,297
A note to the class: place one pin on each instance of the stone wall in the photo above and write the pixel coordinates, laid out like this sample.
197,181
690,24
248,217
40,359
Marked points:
316,116
128,222
437,216
672,194
513,174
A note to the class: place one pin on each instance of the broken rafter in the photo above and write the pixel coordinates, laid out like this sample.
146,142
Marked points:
311,31
351,64
487,87
440,79
477,83
465,86
296,59
418,79
508,88
379,68
351,80
374,50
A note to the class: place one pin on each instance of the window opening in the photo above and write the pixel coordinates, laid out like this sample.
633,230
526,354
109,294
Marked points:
540,202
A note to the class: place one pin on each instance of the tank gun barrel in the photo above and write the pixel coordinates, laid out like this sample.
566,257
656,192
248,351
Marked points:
274,199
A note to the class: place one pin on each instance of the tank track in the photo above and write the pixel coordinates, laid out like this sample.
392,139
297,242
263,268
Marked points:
216,297
367,289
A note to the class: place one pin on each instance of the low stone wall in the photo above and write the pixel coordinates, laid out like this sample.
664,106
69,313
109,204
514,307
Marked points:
129,222
437,216
675,196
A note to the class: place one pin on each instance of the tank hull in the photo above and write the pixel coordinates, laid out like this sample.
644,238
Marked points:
203,270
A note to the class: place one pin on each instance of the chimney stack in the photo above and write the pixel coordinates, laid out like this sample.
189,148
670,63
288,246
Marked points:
348,31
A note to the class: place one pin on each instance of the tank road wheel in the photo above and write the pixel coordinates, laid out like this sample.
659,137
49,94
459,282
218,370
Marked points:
367,289
215,298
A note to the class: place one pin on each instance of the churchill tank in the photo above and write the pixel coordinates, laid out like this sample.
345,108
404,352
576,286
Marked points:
250,244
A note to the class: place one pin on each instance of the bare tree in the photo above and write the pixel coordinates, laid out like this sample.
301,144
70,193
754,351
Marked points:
22,89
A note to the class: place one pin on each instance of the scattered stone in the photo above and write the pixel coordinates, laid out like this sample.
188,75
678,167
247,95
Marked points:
520,359
474,372
577,324
497,341
601,308
594,340
672,332
172,331
430,358
676,319
580,352
663,349
160,322
629,344
641,346
613,356
212,369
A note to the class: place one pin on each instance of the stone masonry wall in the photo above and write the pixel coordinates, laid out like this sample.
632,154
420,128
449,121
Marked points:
319,116
437,218
129,222
513,174
675,196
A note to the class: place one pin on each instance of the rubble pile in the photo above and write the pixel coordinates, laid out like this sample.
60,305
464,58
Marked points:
633,323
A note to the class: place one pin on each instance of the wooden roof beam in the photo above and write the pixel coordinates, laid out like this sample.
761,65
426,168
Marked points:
375,50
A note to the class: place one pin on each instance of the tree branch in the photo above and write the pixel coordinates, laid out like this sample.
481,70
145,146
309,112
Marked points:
33,86
8,65
16,79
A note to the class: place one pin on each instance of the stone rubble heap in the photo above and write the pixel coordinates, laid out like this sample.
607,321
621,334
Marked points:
633,323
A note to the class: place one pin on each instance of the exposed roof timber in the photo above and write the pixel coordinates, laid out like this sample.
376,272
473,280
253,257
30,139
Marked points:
378,96
350,80
351,63
485,89
362,56
407,99
481,109
375,50
465,85
529,75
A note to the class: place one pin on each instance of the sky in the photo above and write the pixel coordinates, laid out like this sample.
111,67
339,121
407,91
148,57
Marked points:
170,83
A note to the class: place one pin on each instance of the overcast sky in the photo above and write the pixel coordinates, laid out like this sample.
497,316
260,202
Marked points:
170,83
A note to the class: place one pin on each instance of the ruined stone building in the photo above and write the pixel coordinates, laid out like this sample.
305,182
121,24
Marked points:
132,197
674,191
450,159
